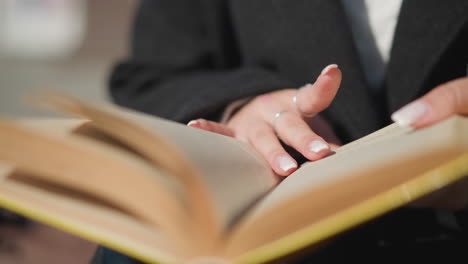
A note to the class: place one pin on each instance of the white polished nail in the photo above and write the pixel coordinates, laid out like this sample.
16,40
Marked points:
410,113
317,146
305,85
193,122
328,68
286,163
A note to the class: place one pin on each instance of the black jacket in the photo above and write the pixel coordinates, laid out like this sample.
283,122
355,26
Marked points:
189,58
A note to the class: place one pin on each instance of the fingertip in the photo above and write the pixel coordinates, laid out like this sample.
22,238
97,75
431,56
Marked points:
312,153
193,123
284,165
318,146
329,69
318,149
411,114
319,96
211,126
200,123
330,73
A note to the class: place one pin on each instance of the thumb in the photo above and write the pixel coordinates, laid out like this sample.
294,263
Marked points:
314,98
442,102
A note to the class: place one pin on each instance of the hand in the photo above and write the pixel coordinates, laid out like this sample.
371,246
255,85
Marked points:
274,116
442,102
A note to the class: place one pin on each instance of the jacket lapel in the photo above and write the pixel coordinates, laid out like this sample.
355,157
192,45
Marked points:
318,31
424,31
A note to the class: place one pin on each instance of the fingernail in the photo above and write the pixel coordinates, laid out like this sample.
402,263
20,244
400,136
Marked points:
317,146
328,68
305,85
193,122
286,163
410,113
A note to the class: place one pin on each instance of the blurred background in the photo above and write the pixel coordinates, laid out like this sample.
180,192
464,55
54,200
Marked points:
67,45
61,44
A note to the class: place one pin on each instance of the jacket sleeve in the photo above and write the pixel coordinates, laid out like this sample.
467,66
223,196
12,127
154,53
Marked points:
185,63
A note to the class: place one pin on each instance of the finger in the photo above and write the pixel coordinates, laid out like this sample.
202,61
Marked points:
211,126
263,139
321,127
295,132
440,103
314,98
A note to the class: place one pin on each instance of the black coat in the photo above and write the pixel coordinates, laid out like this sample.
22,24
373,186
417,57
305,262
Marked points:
190,58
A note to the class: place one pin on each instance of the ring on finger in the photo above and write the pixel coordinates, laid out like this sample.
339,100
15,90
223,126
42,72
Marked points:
276,116
294,99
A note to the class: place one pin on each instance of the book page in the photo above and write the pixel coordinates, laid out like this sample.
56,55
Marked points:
96,169
236,175
81,215
328,187
316,173
216,169
393,130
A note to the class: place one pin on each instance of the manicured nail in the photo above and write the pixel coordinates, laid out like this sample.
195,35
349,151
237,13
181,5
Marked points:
410,113
286,163
317,146
305,85
328,68
193,122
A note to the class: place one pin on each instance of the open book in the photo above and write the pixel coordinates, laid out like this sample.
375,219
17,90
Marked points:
164,192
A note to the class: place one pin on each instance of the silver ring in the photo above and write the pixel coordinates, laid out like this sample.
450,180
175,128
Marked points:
294,99
276,116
